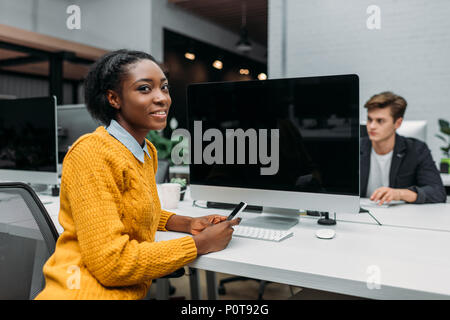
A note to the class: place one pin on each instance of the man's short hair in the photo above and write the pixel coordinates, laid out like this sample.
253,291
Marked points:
388,99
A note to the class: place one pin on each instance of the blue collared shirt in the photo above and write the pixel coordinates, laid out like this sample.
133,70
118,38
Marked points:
118,132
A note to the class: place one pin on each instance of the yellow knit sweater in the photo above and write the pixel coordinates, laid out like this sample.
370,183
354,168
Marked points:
110,212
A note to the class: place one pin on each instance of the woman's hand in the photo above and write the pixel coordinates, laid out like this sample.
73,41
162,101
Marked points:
199,224
215,237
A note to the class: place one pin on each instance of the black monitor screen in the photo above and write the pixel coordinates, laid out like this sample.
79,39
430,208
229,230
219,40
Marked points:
299,134
28,134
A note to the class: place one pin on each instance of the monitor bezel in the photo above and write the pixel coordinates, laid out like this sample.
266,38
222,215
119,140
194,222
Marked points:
278,199
63,119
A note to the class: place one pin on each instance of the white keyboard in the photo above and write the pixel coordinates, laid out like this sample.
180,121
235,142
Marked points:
369,203
261,234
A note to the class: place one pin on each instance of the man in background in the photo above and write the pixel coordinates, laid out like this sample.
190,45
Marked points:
394,167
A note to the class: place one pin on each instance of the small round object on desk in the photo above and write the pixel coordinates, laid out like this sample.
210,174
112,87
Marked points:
325,233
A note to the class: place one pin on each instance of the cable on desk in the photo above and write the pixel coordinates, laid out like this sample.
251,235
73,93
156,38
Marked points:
374,218
363,210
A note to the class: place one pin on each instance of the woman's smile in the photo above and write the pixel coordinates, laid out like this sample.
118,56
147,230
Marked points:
159,115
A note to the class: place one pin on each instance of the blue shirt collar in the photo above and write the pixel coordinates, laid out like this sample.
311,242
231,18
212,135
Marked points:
118,132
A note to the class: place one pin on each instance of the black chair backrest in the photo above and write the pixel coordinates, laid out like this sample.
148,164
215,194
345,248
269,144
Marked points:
363,130
27,239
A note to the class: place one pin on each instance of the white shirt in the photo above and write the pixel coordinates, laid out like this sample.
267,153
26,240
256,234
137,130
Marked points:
380,165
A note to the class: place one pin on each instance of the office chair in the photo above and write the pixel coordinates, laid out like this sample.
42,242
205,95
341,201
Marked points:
27,239
262,285
163,287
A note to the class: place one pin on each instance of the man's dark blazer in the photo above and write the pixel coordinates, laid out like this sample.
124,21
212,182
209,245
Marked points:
412,168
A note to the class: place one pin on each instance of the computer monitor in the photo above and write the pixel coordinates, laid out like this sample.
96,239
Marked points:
284,144
410,128
162,174
73,122
28,135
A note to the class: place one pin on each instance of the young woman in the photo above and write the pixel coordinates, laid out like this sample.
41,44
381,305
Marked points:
110,210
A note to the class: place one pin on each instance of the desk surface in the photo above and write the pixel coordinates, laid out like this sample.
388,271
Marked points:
409,263
418,216
16,217
404,263
446,179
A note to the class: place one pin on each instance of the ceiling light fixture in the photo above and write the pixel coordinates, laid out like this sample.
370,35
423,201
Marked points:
217,64
262,76
244,44
189,56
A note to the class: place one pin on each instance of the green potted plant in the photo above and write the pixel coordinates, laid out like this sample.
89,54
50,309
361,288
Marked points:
163,145
445,129
182,183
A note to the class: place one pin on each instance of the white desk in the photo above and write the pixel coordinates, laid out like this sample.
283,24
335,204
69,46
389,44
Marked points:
412,263
16,217
408,263
418,216
446,179
52,206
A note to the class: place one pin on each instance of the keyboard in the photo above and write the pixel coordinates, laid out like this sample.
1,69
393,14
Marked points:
368,203
261,233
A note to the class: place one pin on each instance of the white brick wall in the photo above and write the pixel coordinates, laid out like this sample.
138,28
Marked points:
276,45
410,55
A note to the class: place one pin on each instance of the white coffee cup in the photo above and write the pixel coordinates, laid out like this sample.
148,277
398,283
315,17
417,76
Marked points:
169,195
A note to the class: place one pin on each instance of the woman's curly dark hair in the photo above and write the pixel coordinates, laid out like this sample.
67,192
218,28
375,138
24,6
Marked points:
107,73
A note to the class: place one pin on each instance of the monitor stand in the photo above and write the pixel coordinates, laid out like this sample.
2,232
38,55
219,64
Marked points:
326,220
45,189
274,218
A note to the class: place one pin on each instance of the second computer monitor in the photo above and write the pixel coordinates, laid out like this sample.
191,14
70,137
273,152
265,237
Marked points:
73,122
28,140
283,143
